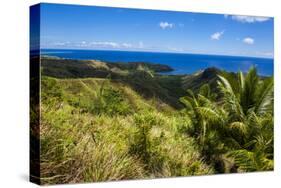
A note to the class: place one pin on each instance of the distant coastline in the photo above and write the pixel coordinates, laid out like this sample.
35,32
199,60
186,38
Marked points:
180,63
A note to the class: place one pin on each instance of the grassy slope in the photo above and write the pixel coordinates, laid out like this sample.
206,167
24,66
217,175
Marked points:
94,129
139,76
142,77
105,121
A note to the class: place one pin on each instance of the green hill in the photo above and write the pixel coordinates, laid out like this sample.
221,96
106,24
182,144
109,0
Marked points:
142,77
103,121
94,129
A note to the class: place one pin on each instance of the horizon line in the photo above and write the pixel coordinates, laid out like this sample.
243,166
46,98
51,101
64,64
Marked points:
171,52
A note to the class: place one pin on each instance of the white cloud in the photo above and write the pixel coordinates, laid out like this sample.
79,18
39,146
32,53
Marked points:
175,49
59,44
83,44
105,44
248,40
247,19
97,45
165,25
217,35
126,45
101,44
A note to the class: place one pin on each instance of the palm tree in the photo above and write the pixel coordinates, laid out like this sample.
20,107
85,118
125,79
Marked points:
249,103
239,125
208,120
251,92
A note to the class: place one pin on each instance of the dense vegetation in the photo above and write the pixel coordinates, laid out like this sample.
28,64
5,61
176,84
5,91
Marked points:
102,121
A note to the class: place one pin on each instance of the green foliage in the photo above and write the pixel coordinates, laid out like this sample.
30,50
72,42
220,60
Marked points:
70,68
110,101
239,125
208,119
141,146
251,120
99,130
251,161
50,89
164,154
132,125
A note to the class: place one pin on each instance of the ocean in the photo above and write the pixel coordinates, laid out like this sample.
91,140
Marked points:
181,63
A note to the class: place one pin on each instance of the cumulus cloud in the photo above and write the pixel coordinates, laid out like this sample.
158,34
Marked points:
248,40
217,35
166,25
247,19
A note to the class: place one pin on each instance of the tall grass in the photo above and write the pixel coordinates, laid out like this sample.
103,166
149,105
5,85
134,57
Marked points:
86,136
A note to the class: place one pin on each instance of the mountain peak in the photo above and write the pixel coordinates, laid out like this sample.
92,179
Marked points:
210,72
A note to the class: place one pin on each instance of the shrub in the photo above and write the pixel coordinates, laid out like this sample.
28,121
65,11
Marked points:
110,101
50,89
162,151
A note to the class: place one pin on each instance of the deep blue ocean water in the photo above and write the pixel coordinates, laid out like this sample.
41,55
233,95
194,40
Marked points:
181,63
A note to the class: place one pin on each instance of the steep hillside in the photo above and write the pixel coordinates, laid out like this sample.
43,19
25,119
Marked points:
143,78
104,121
97,130
207,76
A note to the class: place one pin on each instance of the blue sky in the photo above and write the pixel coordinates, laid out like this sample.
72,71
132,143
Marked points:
89,27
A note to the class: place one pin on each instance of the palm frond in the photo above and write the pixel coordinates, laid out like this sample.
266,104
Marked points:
241,81
189,102
204,101
265,98
244,160
205,90
232,103
249,161
247,97
209,114
240,126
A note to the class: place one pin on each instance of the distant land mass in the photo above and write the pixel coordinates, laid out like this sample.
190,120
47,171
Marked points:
146,78
179,62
